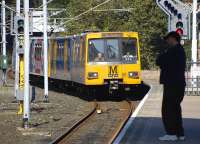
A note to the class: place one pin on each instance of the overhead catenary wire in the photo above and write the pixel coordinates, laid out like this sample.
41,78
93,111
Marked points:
80,15
77,16
118,10
9,8
18,13
46,3
91,9
98,10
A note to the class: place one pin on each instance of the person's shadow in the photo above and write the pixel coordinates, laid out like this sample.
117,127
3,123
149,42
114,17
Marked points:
146,130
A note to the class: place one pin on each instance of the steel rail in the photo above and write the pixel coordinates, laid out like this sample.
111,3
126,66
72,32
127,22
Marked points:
63,138
123,123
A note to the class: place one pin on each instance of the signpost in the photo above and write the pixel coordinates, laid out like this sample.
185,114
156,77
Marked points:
20,74
194,71
179,21
178,16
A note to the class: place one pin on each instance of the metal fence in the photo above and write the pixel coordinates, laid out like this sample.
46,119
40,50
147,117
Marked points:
192,79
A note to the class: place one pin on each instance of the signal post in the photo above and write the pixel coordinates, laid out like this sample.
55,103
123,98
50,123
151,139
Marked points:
178,16
22,49
19,27
4,61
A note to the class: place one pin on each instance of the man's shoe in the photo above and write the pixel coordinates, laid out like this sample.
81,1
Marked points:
181,138
168,138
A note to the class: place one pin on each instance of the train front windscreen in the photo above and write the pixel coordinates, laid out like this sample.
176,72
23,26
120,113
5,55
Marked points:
123,50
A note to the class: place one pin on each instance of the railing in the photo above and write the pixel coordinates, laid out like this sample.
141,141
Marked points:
193,79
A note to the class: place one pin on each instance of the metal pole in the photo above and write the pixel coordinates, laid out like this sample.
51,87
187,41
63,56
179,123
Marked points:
194,44
194,32
45,41
16,53
26,64
4,27
4,67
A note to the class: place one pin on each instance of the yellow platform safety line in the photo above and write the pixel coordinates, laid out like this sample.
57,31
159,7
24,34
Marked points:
21,83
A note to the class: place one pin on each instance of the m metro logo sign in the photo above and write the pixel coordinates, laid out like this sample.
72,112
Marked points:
113,71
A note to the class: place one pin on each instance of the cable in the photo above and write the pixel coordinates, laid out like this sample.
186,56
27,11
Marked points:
118,10
100,10
45,4
76,17
91,9
9,8
59,12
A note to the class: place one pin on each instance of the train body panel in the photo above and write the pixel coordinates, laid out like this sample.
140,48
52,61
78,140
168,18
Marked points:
113,67
113,72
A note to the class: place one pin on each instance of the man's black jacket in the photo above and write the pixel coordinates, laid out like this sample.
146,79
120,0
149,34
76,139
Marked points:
172,63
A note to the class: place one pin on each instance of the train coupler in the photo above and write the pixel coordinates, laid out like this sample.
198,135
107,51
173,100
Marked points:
113,85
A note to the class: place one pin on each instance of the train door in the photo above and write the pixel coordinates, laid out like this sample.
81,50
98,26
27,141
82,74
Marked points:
32,55
82,59
38,56
53,59
60,59
69,47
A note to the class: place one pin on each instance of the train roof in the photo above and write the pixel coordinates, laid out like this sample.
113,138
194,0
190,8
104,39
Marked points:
103,34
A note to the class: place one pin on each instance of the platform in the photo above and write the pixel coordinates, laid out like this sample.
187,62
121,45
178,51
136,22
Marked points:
147,126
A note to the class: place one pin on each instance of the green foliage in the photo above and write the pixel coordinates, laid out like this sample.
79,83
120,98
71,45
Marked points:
145,17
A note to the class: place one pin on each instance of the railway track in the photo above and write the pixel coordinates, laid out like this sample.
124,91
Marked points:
63,138
89,119
123,123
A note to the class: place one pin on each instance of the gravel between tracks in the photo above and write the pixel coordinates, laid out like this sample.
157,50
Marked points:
48,120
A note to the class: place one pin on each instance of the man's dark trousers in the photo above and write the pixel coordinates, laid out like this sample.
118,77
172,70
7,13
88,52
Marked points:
171,109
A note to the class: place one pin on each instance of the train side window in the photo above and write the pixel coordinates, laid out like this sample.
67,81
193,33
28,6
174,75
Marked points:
83,51
74,51
77,52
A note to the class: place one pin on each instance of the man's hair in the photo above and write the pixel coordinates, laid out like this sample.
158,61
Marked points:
173,34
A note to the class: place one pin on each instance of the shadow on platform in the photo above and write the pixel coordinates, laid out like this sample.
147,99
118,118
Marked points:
146,130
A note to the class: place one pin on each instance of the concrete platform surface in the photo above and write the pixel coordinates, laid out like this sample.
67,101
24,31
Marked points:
147,126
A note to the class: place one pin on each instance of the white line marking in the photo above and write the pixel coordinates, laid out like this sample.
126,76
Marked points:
133,116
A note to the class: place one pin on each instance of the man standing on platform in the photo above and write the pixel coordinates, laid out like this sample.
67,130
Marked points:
172,62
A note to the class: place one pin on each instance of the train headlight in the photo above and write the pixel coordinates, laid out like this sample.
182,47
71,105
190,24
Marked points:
92,75
134,75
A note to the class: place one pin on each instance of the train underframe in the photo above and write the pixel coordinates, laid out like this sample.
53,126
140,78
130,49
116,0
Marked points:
111,87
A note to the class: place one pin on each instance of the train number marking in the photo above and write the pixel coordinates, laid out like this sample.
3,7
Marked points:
113,71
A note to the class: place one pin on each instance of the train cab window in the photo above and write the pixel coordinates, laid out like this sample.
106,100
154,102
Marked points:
96,50
112,49
129,50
